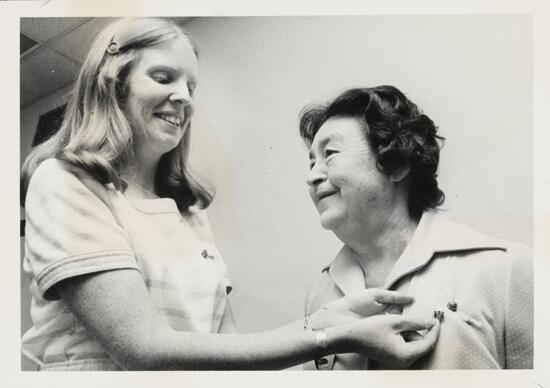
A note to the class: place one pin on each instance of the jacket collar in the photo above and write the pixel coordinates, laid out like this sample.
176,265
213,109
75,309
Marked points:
434,234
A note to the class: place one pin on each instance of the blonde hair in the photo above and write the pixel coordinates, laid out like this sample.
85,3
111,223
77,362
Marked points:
95,134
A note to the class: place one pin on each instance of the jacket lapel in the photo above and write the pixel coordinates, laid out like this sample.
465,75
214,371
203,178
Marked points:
434,234
437,234
347,274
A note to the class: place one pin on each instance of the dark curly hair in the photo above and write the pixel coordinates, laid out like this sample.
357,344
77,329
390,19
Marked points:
398,133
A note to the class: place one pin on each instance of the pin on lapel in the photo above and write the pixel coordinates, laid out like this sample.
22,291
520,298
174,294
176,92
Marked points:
438,314
452,305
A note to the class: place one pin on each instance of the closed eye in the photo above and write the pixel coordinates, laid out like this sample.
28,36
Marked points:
330,152
161,77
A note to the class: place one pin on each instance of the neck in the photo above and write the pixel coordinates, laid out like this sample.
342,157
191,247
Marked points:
378,247
140,177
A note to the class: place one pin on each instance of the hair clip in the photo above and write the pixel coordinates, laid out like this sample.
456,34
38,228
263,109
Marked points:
113,48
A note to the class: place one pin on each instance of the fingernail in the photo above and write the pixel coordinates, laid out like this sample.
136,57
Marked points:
431,322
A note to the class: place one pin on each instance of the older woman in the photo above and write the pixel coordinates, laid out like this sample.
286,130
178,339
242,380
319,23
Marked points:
124,271
373,162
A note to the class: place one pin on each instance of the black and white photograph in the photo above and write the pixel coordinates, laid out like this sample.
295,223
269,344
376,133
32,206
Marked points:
296,192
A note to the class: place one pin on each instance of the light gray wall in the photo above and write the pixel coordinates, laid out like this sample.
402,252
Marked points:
470,74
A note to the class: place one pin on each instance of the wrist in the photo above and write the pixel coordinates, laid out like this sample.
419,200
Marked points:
339,339
321,340
316,320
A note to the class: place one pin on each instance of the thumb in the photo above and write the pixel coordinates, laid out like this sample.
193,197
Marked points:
423,344
414,324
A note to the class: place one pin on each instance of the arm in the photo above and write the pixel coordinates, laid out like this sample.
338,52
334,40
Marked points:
125,322
115,307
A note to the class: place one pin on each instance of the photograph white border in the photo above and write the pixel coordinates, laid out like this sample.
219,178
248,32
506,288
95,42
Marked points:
10,374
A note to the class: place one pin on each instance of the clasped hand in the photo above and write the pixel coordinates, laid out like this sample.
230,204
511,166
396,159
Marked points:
376,327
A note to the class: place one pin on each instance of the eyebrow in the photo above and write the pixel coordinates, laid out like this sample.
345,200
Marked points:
162,67
325,141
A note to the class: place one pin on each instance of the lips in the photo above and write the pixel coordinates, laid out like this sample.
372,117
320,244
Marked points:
322,195
170,118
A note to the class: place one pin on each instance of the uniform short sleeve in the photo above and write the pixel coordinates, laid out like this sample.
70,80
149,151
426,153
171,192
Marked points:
70,229
519,310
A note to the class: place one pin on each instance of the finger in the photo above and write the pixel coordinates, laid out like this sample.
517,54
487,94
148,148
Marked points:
413,335
403,324
421,346
392,297
393,309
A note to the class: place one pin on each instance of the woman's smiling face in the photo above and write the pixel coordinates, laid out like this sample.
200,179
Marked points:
159,97
345,184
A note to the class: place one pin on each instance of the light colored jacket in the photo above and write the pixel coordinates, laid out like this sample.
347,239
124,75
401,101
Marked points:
483,286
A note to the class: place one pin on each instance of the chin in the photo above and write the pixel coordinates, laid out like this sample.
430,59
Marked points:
328,222
169,144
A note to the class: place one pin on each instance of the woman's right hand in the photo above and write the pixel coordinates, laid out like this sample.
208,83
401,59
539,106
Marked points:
372,301
382,338
363,304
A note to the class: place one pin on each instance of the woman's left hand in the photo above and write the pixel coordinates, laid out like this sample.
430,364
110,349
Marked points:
357,306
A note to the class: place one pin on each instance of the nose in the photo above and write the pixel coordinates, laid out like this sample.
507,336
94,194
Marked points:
317,174
181,94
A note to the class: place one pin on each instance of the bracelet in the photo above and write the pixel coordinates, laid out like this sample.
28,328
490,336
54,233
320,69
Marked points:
321,338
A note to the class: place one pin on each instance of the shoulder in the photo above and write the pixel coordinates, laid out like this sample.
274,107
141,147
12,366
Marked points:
480,255
508,260
55,181
500,246
50,170
57,174
54,173
447,235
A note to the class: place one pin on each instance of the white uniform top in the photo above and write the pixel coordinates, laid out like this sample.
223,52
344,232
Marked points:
75,226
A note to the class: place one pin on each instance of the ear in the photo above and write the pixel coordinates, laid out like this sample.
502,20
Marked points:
400,174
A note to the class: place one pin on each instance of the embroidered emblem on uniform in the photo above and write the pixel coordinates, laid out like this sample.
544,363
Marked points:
205,254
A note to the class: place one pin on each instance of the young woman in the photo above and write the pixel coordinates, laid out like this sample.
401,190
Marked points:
124,271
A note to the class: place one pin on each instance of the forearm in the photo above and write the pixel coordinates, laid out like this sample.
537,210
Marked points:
168,349
137,337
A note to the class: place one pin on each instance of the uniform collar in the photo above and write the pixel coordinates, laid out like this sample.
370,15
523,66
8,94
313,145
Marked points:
346,273
434,234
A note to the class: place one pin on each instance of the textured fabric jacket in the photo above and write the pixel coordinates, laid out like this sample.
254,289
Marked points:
483,286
